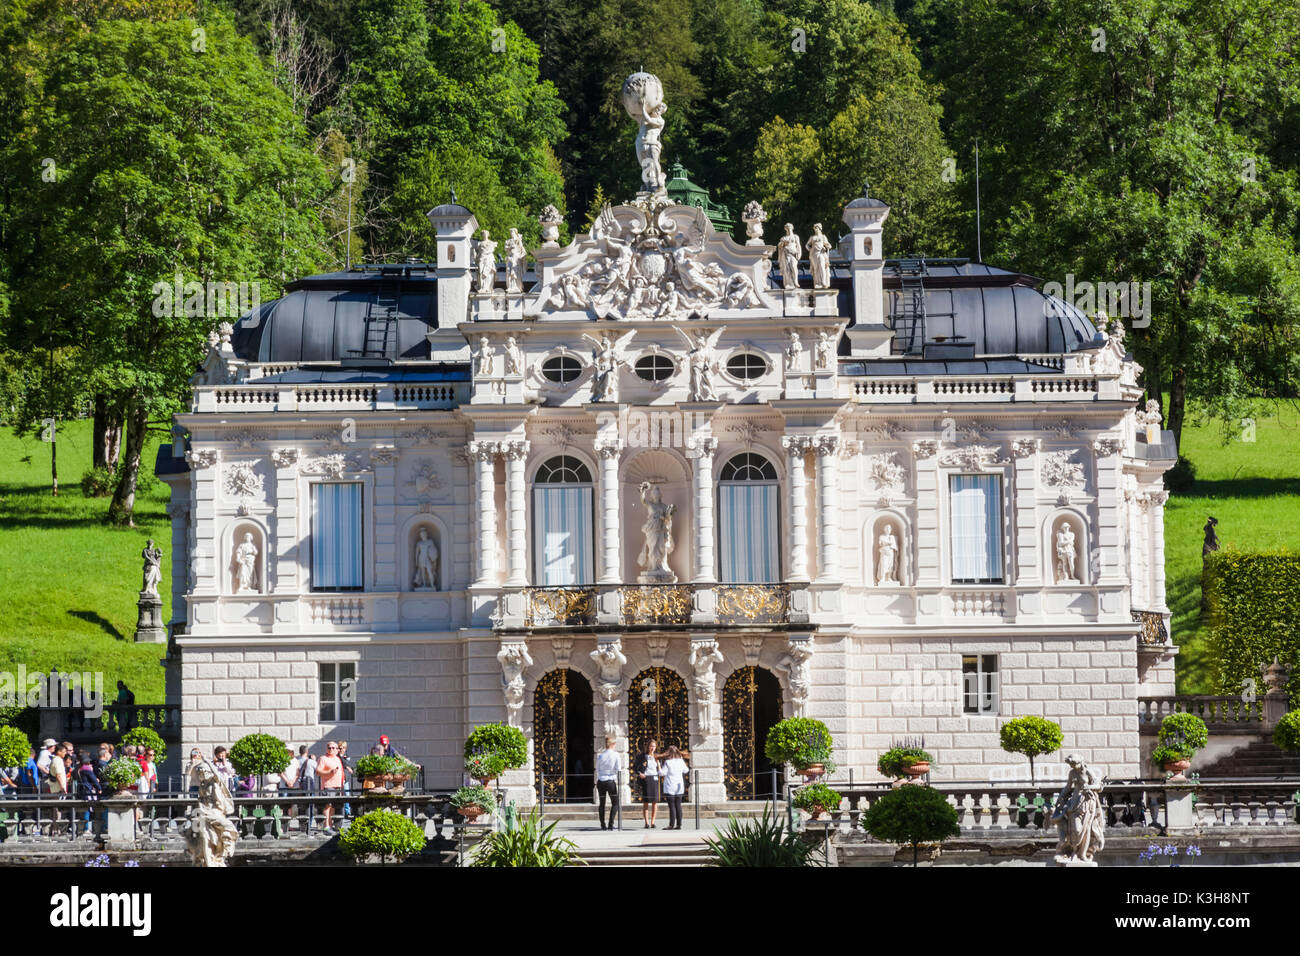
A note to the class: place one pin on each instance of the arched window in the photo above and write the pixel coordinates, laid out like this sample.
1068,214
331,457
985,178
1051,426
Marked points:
562,518
748,520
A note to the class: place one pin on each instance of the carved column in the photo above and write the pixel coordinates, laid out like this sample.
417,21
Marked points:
611,559
828,487
1157,518
704,448
484,455
516,453
796,447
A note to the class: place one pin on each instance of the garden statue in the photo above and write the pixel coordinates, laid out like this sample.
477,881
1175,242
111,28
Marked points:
1211,543
152,568
819,258
426,562
516,258
704,654
643,98
487,263
1065,555
210,837
1079,816
789,250
658,531
887,557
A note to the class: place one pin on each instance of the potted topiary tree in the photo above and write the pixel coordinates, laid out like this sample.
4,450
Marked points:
499,747
912,815
473,801
802,742
15,748
255,755
144,737
1286,735
816,799
900,762
1181,735
385,834
120,776
1032,736
379,773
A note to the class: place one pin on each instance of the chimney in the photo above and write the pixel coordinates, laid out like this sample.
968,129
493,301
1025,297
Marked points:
864,250
455,227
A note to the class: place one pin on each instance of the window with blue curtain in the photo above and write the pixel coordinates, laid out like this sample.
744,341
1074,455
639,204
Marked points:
562,523
976,516
748,517
336,542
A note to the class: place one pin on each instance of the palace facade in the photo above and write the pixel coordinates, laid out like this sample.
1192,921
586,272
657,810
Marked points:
661,482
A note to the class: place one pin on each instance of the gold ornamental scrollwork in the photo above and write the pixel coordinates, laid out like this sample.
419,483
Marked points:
753,603
561,607
1152,632
657,604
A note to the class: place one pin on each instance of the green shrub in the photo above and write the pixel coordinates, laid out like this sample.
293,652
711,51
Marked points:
27,719
1032,736
508,743
372,765
98,482
894,762
1180,478
385,833
15,748
1254,612
530,844
801,741
476,795
121,773
485,766
764,842
255,754
147,738
1287,733
911,815
1181,735
816,795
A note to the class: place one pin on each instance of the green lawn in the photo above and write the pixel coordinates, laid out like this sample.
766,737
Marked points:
1253,488
70,581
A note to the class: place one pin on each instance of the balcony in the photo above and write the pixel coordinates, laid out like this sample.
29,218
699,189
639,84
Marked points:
560,607
1153,632
657,604
752,603
644,606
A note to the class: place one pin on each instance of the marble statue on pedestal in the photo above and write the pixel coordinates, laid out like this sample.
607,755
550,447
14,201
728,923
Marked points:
210,837
658,531
152,568
513,659
1065,555
246,560
704,654
485,355
643,98
426,563
487,263
610,662
516,258
887,557
1079,816
819,258
788,252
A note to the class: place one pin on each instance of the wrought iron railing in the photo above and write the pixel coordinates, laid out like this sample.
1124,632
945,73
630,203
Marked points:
657,604
752,603
1153,632
560,607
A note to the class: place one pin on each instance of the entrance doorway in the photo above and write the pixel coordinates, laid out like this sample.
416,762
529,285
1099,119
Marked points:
563,737
658,707
751,705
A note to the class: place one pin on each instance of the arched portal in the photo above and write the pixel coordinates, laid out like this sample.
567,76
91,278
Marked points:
563,736
751,705
658,707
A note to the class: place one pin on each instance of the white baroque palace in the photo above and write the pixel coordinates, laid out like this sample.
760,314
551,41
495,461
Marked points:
658,482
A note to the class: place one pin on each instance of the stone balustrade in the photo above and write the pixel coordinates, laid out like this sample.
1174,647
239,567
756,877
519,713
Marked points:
1222,712
258,396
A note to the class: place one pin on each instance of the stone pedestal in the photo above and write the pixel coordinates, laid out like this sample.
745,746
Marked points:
119,831
1181,812
149,627
656,577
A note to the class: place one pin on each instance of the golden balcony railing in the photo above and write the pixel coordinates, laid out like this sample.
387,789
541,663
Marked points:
1153,632
560,607
657,604
752,603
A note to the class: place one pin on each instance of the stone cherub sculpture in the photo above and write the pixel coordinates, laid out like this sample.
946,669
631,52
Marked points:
1079,816
658,531
152,568
210,837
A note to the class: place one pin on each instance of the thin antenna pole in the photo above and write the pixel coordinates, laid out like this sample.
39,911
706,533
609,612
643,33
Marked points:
979,239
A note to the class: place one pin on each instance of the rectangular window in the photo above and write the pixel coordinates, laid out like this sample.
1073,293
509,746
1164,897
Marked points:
979,682
747,533
336,541
976,516
562,535
338,693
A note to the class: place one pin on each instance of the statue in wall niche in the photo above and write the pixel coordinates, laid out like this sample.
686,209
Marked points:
658,531
788,251
152,568
704,654
607,357
246,561
516,259
887,557
701,362
819,258
825,350
210,837
514,357
1079,816
483,361
643,98
1065,555
513,659
487,262
426,562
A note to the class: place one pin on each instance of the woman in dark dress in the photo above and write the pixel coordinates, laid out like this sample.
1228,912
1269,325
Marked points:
647,771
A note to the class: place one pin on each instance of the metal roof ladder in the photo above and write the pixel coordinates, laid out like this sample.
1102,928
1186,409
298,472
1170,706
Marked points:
381,320
909,318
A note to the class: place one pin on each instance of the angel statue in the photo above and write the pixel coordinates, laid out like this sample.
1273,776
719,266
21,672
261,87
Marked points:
658,531
701,347
607,355
487,262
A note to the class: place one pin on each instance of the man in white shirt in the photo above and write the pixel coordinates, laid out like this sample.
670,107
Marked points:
44,757
608,765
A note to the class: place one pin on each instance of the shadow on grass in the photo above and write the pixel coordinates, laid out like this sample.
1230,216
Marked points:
1245,487
91,617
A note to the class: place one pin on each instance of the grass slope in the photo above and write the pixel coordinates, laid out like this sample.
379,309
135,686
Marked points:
1253,488
70,582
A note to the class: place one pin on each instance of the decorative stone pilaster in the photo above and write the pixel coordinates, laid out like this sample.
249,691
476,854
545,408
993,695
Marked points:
1157,519
796,447
516,453
383,459
484,454
611,559
1024,453
828,486
926,484
1106,565
704,449
203,567
285,552
514,657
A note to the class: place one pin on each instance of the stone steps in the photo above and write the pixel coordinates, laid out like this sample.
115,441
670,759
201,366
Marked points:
584,812
691,854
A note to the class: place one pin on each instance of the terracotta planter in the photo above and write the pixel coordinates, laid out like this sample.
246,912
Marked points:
815,812
471,812
486,781
813,771
1178,768
918,769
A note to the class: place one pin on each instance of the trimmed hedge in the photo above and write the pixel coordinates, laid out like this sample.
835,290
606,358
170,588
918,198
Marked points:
15,748
1254,601
147,738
